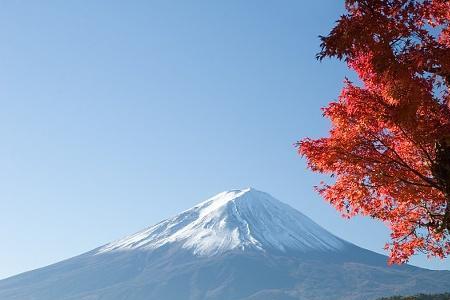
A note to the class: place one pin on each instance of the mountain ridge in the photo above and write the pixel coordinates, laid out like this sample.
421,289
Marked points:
245,218
197,255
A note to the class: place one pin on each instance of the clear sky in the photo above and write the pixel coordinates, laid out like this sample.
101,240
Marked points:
117,114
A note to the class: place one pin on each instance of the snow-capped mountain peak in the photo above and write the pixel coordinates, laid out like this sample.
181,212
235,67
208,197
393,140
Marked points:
275,253
234,220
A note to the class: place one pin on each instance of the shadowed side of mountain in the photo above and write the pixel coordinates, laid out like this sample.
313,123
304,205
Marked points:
253,275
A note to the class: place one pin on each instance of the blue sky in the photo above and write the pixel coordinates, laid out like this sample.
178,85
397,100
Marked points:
115,115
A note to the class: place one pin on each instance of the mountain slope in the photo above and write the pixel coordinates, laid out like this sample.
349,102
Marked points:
238,219
238,245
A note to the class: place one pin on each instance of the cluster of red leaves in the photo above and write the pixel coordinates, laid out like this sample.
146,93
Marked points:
385,145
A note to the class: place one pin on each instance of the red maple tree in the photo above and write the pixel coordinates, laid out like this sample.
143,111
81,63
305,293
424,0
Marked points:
389,145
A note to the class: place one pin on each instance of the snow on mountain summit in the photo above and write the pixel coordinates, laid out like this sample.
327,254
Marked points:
234,220
240,244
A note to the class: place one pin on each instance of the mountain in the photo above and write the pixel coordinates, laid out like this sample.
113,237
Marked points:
235,220
237,245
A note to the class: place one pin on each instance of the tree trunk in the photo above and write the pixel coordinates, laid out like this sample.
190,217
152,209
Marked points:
442,173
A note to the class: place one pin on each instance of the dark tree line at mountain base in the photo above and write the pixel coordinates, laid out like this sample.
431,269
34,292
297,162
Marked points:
445,296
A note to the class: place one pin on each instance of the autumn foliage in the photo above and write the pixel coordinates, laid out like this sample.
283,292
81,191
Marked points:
389,145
